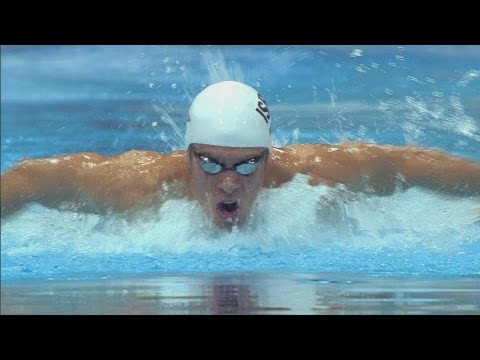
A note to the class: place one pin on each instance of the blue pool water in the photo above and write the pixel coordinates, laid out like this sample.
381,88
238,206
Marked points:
110,99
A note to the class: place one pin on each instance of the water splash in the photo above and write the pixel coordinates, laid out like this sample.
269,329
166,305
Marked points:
322,218
167,120
218,70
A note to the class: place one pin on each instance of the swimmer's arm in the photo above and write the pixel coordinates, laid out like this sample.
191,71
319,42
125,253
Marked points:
42,180
116,183
436,170
383,169
376,169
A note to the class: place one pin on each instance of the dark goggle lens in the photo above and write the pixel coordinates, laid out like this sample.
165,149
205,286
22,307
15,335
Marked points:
248,167
209,167
213,167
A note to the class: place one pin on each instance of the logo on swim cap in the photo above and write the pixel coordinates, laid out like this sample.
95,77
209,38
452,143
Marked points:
229,113
262,108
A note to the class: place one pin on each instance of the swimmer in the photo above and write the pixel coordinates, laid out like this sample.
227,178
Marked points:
228,158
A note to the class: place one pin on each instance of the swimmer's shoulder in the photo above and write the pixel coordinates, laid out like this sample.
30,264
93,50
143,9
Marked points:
295,151
343,149
151,166
133,178
299,148
304,151
345,158
134,166
144,157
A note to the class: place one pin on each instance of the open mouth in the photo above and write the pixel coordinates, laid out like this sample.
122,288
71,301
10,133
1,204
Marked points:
228,208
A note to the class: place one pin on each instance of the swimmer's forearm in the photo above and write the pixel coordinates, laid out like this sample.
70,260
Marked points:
17,188
441,172
15,191
35,180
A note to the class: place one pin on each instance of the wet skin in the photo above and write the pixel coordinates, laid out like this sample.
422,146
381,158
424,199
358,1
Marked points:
138,179
227,197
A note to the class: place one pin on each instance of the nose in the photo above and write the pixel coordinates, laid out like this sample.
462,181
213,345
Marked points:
229,182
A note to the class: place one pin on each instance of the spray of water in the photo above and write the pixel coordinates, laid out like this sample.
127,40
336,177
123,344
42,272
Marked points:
322,216
218,70
167,120
214,61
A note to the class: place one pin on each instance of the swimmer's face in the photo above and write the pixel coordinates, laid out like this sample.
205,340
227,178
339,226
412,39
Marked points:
227,196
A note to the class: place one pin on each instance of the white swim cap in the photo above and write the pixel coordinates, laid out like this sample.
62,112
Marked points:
231,114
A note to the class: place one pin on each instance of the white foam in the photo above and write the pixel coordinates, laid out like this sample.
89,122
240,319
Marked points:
294,214
356,53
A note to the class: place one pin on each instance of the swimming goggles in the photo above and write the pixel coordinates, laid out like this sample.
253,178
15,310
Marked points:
212,166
